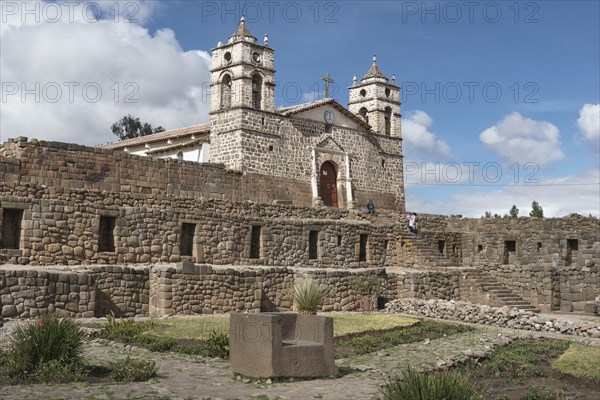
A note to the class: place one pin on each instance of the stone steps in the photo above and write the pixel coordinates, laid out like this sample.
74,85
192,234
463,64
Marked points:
500,292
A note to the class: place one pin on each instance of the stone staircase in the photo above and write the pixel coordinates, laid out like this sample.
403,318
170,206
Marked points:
499,293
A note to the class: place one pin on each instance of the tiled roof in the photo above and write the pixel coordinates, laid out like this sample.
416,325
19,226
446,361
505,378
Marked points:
157,137
204,138
287,111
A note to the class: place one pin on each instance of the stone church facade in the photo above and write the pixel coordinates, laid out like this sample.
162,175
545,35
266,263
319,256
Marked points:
318,153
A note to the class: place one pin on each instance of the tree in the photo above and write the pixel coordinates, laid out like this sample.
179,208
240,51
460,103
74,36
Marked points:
488,214
130,127
514,212
536,210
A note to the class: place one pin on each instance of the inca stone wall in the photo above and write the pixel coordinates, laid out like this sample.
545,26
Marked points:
551,262
179,289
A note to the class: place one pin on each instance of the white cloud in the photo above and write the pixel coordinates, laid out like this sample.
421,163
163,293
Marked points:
418,138
523,140
82,73
589,123
558,197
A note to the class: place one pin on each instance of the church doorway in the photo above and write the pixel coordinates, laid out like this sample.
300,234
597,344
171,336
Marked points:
328,185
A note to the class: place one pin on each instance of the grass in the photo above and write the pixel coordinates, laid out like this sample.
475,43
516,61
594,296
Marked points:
580,361
345,324
200,327
363,344
520,358
189,327
416,385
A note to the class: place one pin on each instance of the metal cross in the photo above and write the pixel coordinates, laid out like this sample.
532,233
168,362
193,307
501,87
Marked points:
327,80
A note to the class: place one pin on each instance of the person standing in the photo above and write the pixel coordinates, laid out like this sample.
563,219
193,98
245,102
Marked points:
412,222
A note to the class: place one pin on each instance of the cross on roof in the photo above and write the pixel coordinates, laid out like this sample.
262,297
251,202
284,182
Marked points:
327,80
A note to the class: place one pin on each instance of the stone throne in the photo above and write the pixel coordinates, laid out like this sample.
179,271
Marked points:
281,345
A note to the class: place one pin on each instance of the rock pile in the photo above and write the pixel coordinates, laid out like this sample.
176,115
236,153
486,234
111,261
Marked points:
505,317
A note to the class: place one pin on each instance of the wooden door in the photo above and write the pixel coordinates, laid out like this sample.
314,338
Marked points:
328,186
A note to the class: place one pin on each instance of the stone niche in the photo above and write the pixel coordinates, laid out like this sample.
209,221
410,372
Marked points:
281,345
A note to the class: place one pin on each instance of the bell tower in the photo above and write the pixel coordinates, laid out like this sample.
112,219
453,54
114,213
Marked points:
377,100
242,73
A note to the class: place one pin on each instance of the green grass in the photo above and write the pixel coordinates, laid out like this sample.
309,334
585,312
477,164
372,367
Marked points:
363,344
519,360
580,361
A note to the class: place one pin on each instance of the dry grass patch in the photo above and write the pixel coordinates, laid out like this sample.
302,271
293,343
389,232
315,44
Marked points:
197,327
580,361
200,327
345,324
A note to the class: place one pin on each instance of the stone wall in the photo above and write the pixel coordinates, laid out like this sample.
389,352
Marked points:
552,262
504,317
545,242
180,289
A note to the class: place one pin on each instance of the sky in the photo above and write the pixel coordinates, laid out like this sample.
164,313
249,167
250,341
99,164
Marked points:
500,99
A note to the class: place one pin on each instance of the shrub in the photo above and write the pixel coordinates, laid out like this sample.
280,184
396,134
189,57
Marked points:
308,296
217,344
57,372
126,328
156,344
47,340
415,385
131,370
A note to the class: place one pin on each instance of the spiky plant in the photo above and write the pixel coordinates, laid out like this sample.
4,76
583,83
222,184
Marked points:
49,339
308,296
417,385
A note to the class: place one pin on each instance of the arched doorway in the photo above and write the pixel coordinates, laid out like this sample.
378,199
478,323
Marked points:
328,184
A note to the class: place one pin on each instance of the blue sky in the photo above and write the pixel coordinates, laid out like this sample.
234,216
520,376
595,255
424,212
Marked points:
498,86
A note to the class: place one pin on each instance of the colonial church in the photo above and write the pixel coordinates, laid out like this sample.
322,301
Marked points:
315,154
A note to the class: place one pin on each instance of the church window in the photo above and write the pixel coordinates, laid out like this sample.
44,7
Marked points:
226,92
256,91
227,57
11,228
180,155
388,120
382,163
363,93
271,148
328,128
364,114
387,92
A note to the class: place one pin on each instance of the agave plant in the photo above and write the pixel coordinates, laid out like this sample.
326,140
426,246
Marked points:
308,296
